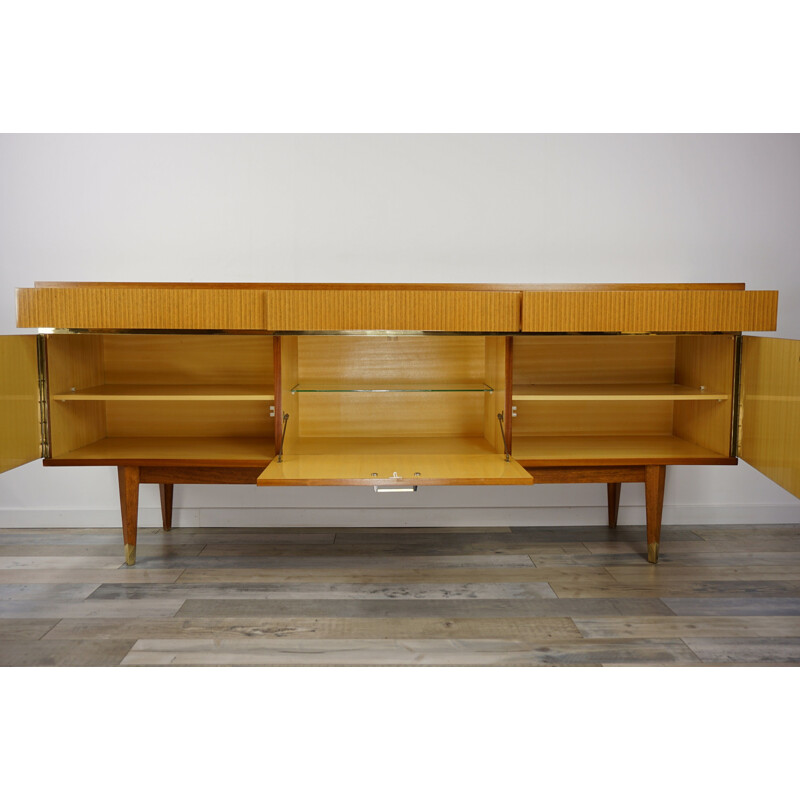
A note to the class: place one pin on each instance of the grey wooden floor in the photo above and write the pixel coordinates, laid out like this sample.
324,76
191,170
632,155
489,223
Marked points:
721,595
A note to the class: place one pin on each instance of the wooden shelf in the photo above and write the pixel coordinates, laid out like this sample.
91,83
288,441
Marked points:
215,450
379,387
614,449
613,391
160,392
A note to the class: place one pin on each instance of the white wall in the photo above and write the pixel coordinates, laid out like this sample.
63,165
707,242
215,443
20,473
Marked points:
446,208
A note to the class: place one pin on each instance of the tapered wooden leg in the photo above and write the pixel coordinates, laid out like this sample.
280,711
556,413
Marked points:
613,503
165,489
654,501
129,504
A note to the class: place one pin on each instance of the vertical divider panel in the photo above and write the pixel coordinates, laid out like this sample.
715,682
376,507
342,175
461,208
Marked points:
708,361
290,404
495,403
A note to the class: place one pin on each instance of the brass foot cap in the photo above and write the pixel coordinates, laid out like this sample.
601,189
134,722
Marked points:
652,552
130,554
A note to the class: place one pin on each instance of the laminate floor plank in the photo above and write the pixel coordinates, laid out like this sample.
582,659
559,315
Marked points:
219,563
399,575
35,609
118,574
400,652
326,591
394,548
111,551
30,628
40,653
689,559
46,592
518,628
680,589
785,649
421,608
784,544
67,536
682,627
601,533
790,528
664,573
60,562
734,606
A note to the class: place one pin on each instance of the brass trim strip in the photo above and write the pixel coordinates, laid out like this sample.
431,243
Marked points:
44,410
738,399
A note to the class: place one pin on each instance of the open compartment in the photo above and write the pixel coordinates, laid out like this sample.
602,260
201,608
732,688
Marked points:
158,397
383,409
595,400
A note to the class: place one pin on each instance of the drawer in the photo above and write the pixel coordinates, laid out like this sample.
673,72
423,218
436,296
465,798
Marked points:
390,309
148,307
649,311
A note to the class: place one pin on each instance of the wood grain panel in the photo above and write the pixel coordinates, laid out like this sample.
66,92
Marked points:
706,361
20,433
546,360
177,359
74,362
580,417
649,311
377,360
770,411
178,450
546,451
495,403
187,418
143,307
345,469
391,414
390,309
398,359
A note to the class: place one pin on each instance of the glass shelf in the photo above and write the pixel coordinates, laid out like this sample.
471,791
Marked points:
377,387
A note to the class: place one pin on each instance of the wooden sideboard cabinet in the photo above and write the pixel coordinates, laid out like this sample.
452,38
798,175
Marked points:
398,387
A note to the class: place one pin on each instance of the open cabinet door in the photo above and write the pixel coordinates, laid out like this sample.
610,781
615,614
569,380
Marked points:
769,423
20,431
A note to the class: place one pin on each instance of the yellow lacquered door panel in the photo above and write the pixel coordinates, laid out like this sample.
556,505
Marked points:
769,437
20,432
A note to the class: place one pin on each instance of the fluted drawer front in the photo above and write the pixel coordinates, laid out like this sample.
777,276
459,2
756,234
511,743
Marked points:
140,307
649,311
390,309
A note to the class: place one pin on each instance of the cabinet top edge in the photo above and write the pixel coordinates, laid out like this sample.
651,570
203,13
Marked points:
474,287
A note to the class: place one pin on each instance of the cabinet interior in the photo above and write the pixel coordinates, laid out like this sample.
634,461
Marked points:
579,398
161,396
392,394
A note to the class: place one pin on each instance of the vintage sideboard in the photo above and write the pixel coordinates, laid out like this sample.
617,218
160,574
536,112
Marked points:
396,387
